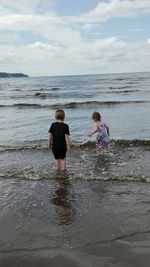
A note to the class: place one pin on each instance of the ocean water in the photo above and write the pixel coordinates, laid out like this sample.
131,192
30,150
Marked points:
97,213
27,107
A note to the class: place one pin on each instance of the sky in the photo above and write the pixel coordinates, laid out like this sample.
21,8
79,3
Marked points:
71,37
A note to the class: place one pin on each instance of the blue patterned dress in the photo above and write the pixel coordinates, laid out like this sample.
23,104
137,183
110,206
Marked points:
102,139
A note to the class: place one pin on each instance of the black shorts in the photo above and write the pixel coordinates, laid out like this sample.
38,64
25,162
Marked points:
59,154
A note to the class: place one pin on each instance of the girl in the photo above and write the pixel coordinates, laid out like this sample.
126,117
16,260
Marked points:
102,130
58,139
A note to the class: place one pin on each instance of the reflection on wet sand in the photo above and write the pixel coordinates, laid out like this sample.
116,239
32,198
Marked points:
63,199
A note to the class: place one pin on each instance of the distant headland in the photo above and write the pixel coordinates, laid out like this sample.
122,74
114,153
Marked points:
12,75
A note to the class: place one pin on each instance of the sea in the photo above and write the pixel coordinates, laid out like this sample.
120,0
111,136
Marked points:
97,212
27,105
27,108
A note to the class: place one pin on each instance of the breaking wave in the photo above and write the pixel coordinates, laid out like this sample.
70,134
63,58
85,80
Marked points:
30,174
95,103
42,145
74,104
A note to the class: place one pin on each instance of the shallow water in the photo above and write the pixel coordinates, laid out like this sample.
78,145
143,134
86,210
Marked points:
74,222
125,160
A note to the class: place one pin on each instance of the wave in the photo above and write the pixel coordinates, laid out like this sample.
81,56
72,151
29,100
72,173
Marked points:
121,92
75,95
42,145
16,90
130,143
62,95
119,143
121,87
35,175
52,95
96,103
140,78
24,105
119,79
74,104
46,95
43,94
48,89
45,89
54,88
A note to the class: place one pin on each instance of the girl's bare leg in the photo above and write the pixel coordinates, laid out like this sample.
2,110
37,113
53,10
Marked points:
58,164
63,164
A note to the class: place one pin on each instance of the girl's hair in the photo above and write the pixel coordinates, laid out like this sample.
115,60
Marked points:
59,114
96,116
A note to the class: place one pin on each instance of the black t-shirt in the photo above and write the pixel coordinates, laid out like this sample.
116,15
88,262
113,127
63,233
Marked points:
58,131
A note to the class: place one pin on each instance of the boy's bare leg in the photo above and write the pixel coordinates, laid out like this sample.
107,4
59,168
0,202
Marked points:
63,164
57,164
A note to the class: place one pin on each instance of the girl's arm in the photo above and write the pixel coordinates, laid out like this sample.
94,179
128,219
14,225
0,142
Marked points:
107,128
68,143
94,130
50,140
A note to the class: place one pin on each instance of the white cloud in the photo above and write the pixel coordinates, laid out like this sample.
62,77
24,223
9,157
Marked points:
60,47
87,27
49,26
114,8
5,37
26,6
45,50
100,56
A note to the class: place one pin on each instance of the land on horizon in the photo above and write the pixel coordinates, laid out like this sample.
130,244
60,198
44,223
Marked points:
12,75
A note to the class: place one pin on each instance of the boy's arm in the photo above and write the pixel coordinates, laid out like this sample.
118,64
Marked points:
50,140
107,128
68,143
94,130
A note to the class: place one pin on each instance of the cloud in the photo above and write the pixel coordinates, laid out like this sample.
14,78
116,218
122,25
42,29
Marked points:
87,27
5,37
100,56
48,26
114,9
65,31
45,50
26,6
55,45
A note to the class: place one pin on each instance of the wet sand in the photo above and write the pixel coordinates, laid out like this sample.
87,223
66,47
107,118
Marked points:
63,222
95,214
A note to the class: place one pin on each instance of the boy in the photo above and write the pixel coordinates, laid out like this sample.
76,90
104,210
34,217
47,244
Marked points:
58,139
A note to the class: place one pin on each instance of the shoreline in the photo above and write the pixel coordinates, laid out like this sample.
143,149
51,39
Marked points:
34,161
